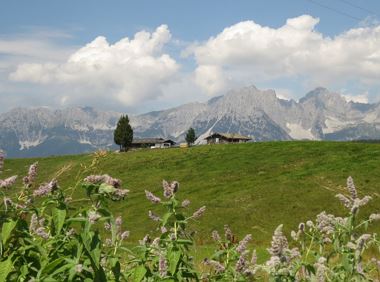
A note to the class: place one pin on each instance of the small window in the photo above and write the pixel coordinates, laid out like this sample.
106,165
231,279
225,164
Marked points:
216,140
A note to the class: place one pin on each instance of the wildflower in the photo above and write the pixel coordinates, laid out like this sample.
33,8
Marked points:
344,200
215,236
362,240
185,203
351,188
301,227
279,242
94,179
8,182
309,223
364,201
107,226
111,181
41,231
153,217
71,232
219,268
162,266
79,268
108,242
199,212
32,174
93,216
33,222
241,248
151,197
46,188
124,235
120,194
163,229
156,242
374,217
321,269
240,264
145,240
228,233
118,221
168,192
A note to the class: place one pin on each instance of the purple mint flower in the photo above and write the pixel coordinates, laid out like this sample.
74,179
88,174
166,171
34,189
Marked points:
153,216
228,233
93,216
145,240
32,174
185,203
163,229
8,182
108,242
242,247
254,258
118,221
215,236
121,193
107,226
79,268
279,242
46,188
94,179
219,268
351,188
241,264
112,181
41,231
199,212
124,235
168,192
71,232
151,197
162,266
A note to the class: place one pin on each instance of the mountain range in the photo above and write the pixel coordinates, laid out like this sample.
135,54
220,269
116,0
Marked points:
260,114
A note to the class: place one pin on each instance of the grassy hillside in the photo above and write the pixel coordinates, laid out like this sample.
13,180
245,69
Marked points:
252,187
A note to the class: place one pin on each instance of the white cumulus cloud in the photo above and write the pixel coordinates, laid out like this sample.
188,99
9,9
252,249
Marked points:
248,51
127,72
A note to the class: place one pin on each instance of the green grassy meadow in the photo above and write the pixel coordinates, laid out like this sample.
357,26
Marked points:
252,187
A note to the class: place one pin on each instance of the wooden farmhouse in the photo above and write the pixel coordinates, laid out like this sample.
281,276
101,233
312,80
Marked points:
152,143
224,138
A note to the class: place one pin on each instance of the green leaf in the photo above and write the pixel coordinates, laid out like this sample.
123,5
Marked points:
5,269
174,257
59,216
165,218
51,266
7,230
106,189
139,273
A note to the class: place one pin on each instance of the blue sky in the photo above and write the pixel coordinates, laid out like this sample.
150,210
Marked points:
201,49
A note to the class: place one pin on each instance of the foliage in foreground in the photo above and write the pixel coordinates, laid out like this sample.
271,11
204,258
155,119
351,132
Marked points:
45,237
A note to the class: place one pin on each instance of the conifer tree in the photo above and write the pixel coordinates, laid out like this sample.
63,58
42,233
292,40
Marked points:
190,136
123,134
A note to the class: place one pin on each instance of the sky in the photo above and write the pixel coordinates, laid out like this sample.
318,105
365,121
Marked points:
139,56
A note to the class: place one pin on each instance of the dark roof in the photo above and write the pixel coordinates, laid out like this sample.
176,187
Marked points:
151,141
229,136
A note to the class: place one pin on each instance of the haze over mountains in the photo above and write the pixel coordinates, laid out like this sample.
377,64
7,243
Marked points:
319,115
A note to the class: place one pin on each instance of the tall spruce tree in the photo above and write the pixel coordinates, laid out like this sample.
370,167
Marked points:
123,134
190,136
